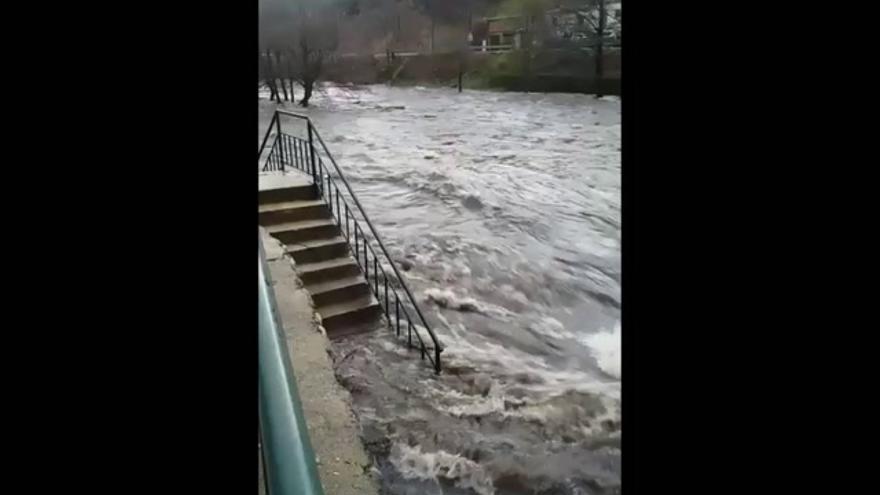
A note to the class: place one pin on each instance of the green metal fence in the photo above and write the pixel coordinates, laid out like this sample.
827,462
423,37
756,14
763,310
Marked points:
287,457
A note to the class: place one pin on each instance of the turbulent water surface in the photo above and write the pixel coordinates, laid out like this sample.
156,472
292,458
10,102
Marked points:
504,209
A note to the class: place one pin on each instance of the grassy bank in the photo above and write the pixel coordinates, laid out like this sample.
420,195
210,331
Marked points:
547,71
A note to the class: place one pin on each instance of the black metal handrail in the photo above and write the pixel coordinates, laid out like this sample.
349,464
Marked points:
301,154
273,122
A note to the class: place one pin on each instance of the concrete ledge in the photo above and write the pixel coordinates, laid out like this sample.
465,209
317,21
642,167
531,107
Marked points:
342,462
282,180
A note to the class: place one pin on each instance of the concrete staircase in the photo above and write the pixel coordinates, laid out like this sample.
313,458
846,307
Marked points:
303,223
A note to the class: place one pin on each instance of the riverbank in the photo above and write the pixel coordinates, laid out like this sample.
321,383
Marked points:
343,465
547,71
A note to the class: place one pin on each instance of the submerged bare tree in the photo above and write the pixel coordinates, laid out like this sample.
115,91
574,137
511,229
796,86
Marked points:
301,34
316,38
266,77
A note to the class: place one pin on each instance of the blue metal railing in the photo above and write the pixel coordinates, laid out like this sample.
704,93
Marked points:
288,459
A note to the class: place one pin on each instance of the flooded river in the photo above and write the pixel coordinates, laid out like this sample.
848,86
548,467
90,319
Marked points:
504,209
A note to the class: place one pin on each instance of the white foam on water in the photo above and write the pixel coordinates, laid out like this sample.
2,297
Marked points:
474,405
446,298
611,413
395,348
550,327
460,404
412,463
605,347
501,363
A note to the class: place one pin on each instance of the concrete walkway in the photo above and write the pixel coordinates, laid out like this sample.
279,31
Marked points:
342,463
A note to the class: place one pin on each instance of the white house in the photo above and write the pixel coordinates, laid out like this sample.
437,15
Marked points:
573,20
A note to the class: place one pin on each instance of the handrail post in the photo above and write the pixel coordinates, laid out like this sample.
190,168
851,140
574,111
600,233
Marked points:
312,151
266,137
278,132
437,359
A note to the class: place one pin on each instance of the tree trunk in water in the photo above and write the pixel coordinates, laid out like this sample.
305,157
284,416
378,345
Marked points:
600,55
280,74
307,90
270,78
600,70
284,88
290,58
273,91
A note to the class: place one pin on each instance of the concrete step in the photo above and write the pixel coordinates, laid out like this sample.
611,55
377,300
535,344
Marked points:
338,290
292,193
304,230
318,250
342,318
325,271
293,211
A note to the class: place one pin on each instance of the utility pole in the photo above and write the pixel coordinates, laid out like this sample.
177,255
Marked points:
600,31
467,46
